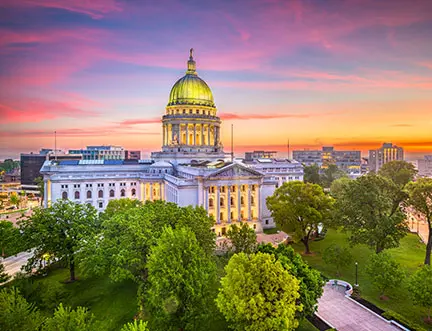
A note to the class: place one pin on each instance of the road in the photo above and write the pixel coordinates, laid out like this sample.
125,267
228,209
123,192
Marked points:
14,263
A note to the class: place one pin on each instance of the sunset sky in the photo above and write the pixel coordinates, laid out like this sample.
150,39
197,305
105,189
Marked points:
352,74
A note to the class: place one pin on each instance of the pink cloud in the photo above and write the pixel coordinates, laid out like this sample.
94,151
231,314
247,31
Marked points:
234,116
94,8
140,121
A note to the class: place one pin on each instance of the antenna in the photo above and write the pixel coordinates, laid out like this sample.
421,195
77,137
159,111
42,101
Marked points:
288,147
55,146
232,142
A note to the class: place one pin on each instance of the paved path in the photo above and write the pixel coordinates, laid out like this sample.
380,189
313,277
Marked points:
14,263
346,315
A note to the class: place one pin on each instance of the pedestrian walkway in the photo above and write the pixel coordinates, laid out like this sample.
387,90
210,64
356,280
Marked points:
346,315
14,263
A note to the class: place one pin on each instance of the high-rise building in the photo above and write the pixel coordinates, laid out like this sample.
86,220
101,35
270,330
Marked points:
249,156
424,166
32,163
132,155
348,161
100,153
386,153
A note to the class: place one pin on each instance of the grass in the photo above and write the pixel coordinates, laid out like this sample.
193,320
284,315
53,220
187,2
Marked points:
305,325
409,254
271,231
113,304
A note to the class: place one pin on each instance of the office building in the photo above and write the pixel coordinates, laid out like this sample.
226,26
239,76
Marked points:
386,153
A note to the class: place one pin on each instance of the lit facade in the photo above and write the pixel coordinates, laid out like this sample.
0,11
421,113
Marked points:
191,169
387,153
100,153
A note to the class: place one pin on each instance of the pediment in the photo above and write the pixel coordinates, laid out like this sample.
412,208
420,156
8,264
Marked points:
235,171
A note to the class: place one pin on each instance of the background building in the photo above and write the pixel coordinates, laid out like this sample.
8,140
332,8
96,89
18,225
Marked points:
387,153
348,161
101,153
249,156
32,163
132,155
424,166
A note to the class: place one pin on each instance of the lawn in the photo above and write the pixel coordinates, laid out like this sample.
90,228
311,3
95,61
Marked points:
410,255
113,304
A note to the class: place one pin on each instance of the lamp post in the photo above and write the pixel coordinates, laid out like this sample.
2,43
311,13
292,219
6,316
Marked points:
356,279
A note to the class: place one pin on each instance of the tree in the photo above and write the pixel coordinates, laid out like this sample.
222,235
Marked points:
58,230
365,208
420,198
16,313
420,287
14,199
41,186
257,293
298,208
66,319
9,238
338,186
180,282
384,272
243,238
338,256
119,206
135,326
312,174
399,172
4,277
123,245
330,174
310,280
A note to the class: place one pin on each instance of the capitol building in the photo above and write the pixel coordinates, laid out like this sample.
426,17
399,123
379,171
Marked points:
191,168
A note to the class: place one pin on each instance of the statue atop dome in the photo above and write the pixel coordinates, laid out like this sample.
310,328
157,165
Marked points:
191,54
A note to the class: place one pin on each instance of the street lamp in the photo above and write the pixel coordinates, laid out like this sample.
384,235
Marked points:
356,282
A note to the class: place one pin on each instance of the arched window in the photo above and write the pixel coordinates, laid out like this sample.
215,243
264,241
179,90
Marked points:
210,202
100,194
111,193
242,201
222,202
77,195
252,200
232,201
89,194
122,193
133,192
64,196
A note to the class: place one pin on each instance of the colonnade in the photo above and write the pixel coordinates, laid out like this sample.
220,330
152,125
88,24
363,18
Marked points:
230,203
192,134
152,191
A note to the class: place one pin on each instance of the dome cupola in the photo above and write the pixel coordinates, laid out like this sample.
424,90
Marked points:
190,89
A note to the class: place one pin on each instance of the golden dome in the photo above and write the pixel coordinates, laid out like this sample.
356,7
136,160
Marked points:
190,89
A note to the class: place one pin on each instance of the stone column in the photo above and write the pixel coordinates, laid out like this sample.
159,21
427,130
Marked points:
164,127
258,201
200,192
239,202
202,134
194,130
142,189
206,198
162,191
217,209
249,202
151,192
187,133
208,134
229,203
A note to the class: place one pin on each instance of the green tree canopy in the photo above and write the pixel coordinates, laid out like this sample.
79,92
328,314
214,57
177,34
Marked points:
420,198
310,280
339,185
10,239
122,247
16,313
384,272
243,238
14,199
135,326
4,277
420,287
258,294
58,230
337,256
365,208
312,174
298,208
180,282
399,172
66,319
330,174
119,206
